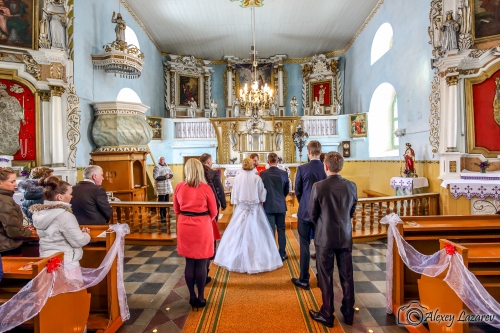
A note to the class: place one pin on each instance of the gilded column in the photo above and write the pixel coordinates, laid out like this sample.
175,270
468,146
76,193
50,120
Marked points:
46,128
57,118
451,140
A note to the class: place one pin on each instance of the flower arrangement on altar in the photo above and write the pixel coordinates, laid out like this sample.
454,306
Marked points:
483,166
25,172
233,160
280,160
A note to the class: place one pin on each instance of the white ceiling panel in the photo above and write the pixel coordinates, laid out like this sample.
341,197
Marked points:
211,29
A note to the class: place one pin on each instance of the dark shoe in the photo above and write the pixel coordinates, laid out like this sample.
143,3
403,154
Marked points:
202,303
303,285
316,316
313,256
194,303
208,280
285,257
348,322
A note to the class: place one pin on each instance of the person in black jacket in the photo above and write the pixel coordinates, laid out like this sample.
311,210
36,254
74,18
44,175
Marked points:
277,186
206,159
90,203
331,207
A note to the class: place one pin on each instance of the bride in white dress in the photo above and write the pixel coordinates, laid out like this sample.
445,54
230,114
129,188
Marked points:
248,244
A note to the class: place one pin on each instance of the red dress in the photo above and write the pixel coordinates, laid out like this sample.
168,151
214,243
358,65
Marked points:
195,234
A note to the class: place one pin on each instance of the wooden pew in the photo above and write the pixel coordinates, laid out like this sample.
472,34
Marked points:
374,194
483,261
49,320
424,233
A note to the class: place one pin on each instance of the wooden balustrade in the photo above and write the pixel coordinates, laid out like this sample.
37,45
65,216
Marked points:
142,216
412,205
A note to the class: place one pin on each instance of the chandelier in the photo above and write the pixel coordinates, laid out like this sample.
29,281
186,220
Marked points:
257,98
120,57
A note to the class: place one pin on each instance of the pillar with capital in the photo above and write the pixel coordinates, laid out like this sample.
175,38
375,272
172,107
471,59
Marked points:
46,127
452,96
57,119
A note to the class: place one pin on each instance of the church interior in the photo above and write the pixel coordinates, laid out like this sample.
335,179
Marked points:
407,92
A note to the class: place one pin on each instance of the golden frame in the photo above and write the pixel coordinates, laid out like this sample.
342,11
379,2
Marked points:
237,83
11,74
34,29
157,131
363,119
311,91
473,30
178,92
469,107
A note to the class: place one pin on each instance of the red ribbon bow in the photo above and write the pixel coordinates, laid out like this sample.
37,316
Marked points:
450,249
53,264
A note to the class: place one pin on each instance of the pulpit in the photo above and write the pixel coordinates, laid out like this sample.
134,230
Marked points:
124,174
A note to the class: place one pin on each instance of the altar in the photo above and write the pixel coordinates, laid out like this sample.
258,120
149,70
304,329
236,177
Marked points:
409,185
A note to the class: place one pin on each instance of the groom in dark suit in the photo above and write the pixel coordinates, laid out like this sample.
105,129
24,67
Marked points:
277,186
331,208
306,176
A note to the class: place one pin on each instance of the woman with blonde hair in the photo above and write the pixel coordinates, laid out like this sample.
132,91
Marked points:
248,244
195,206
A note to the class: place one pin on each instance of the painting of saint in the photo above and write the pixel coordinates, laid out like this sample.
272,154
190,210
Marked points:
321,91
17,22
189,89
486,19
156,124
245,75
358,128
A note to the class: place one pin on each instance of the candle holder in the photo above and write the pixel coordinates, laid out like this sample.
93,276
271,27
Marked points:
299,139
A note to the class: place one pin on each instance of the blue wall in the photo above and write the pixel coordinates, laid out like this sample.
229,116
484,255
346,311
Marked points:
294,87
406,67
218,89
92,30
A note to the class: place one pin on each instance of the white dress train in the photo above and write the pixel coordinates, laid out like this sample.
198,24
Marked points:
248,244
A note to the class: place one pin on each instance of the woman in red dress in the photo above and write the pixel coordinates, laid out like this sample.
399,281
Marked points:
195,206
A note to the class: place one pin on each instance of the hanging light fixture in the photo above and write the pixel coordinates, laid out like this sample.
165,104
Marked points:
254,98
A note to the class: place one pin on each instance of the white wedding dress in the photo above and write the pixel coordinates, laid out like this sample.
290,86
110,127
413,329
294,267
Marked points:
248,244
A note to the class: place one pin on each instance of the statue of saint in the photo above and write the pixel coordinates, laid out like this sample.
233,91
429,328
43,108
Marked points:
450,30
56,19
409,156
279,135
322,91
173,110
236,108
316,107
232,137
213,106
11,113
192,108
293,105
273,108
120,27
496,102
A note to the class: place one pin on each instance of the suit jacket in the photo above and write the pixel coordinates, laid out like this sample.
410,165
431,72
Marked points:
306,176
332,206
90,204
219,189
277,186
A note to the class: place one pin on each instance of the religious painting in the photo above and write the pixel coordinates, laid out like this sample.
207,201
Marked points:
189,90
19,23
482,102
358,126
156,124
245,75
321,91
486,17
17,121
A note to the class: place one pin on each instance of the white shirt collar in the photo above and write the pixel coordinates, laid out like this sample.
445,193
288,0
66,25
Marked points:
89,180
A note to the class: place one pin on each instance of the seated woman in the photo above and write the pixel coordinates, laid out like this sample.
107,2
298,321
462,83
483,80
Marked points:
33,193
56,225
11,217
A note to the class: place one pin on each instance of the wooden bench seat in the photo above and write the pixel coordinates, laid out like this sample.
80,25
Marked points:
374,194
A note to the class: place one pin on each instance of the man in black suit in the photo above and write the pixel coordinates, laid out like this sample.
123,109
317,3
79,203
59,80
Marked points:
277,186
331,208
206,159
306,176
90,203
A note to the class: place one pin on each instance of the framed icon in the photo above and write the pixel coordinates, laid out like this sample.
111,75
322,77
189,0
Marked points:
156,124
358,125
346,148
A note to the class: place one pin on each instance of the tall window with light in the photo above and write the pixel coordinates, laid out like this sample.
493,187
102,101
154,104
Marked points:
395,140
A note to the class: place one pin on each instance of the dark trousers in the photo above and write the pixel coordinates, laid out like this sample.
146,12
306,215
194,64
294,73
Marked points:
163,211
277,221
305,228
325,259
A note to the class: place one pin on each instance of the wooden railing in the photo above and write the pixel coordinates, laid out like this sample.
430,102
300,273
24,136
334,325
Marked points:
410,205
142,216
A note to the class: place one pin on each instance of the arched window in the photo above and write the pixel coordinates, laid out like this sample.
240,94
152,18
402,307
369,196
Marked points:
131,37
128,95
395,139
382,42
381,121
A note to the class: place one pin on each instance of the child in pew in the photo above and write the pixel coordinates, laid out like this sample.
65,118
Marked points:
57,227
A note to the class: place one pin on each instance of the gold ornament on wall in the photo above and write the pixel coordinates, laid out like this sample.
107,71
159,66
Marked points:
496,101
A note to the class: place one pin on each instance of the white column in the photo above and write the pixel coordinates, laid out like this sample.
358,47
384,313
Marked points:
452,105
280,85
57,121
229,86
46,128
